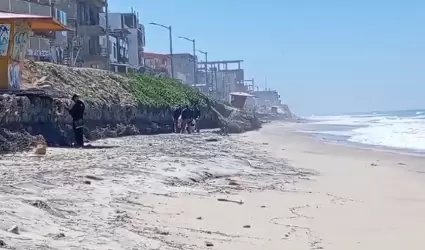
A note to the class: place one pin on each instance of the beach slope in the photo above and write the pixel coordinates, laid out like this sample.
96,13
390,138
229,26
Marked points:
268,189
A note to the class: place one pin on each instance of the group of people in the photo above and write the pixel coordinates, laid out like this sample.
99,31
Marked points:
186,119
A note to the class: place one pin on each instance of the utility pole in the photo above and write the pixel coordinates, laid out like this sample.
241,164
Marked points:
108,44
170,34
195,64
206,67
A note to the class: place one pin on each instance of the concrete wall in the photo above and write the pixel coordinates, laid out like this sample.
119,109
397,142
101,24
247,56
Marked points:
183,64
114,20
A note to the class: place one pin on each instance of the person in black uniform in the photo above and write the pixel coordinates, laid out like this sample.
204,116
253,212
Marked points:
176,115
77,113
186,120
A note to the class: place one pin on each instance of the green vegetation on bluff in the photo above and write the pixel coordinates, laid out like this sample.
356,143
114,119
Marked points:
164,92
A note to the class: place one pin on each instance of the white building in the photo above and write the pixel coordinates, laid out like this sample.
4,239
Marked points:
127,38
183,65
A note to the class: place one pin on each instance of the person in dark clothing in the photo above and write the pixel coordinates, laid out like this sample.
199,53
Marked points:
77,113
196,117
186,120
176,116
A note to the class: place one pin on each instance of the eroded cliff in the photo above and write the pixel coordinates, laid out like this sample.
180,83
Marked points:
116,105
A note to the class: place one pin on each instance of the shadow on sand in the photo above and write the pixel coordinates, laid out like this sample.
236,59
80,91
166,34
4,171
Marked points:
88,146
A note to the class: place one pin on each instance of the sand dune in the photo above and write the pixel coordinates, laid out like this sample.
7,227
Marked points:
272,189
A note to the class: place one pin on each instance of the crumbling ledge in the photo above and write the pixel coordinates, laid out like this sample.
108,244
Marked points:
31,115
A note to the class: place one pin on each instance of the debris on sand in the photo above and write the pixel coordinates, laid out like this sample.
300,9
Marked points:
233,183
211,140
95,178
226,200
209,244
14,229
41,149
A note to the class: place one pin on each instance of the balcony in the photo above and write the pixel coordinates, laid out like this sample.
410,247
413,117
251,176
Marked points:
25,7
38,47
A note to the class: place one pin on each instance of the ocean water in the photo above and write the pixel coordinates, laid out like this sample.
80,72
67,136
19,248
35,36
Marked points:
403,130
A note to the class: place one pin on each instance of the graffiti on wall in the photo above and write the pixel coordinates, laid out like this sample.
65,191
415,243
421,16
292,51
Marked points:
14,75
20,42
4,38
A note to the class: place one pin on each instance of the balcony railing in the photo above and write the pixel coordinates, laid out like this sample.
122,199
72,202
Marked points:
39,47
25,7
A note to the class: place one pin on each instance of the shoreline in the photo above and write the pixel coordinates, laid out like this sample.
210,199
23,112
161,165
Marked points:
343,141
268,189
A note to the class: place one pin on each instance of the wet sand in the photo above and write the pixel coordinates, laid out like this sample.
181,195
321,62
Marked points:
270,189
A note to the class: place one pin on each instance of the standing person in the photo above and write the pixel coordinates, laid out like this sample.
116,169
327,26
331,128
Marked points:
197,117
77,113
186,119
176,115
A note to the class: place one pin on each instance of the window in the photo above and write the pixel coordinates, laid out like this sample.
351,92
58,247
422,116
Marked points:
94,46
81,13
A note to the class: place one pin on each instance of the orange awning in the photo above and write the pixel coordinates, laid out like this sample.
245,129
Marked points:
37,23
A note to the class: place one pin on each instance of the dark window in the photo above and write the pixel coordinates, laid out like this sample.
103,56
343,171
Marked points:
81,13
94,46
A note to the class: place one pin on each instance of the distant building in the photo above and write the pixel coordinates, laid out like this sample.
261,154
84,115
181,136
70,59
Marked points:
184,65
267,98
127,40
135,34
158,62
224,77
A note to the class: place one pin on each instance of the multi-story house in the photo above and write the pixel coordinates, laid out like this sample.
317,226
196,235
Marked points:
127,40
183,65
43,46
84,47
157,62
126,27
267,97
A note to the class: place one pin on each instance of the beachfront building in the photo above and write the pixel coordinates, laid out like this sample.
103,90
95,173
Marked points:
127,39
184,64
157,62
83,37
224,77
14,36
43,45
267,98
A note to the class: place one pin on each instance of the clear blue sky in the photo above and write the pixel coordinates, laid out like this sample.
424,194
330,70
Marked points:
323,56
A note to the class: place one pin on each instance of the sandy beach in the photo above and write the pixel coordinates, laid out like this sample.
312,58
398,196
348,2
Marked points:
269,189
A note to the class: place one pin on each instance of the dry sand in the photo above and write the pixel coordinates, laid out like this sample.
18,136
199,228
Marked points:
270,189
